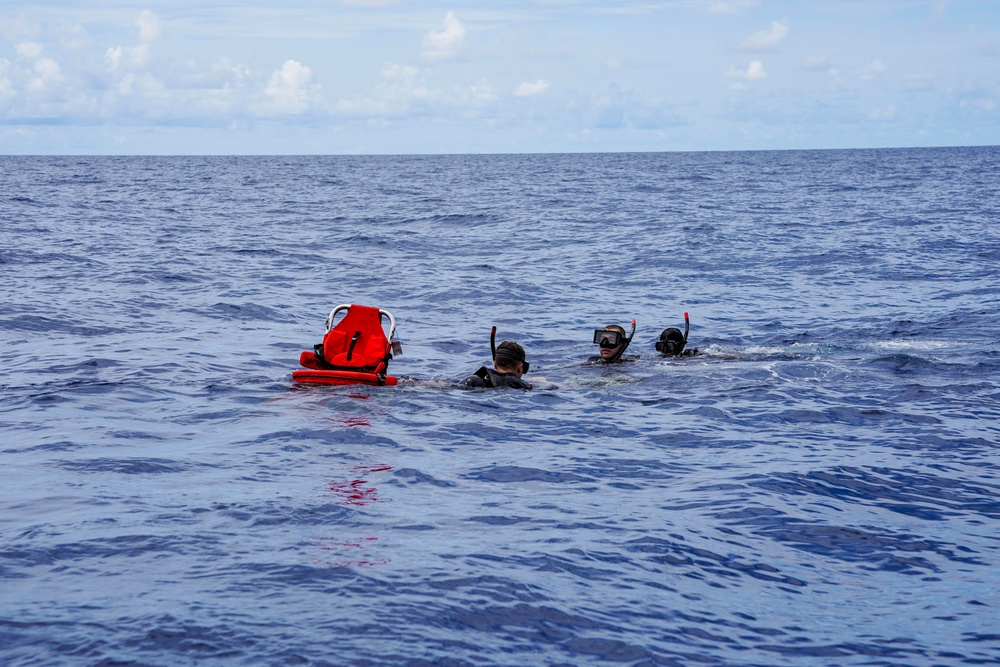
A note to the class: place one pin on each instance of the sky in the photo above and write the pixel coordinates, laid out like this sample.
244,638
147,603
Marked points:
519,76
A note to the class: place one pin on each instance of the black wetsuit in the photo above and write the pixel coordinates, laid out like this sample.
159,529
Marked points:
488,378
685,353
598,359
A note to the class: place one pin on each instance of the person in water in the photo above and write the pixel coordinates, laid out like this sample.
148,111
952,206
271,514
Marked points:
613,344
509,364
672,341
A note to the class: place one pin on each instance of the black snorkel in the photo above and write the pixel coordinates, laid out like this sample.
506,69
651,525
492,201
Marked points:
493,343
672,341
618,355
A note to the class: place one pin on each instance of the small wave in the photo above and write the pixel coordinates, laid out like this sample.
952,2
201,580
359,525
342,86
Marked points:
43,324
918,345
794,350
902,363
131,466
927,496
518,474
242,312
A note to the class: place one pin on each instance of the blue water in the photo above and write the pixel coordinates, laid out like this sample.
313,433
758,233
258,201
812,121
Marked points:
819,487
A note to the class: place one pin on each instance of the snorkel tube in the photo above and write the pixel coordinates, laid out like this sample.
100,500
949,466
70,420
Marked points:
672,341
493,343
618,355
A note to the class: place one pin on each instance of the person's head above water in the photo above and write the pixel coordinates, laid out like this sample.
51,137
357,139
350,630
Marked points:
671,342
510,358
612,341
509,365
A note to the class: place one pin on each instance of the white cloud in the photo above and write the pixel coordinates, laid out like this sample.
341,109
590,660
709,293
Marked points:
37,74
289,90
731,6
125,85
6,86
821,64
753,72
610,110
984,104
817,63
29,50
919,82
127,57
46,75
396,71
528,89
873,70
113,57
404,91
73,38
448,42
16,28
400,90
149,26
883,114
134,58
766,40
483,92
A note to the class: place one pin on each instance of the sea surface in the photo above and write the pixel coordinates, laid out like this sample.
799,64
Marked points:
819,486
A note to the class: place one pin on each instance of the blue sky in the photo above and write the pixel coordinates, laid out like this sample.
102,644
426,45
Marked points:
385,76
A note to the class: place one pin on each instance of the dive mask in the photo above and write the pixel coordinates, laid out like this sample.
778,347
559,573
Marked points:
608,338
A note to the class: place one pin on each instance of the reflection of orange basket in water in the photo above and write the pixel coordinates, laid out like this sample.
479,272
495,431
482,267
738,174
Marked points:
352,552
355,350
348,553
354,492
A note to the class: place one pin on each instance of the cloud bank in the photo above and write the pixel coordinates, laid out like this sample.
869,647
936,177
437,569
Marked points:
384,75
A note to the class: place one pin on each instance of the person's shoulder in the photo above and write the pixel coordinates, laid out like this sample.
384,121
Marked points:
598,360
487,378
508,380
520,383
684,353
477,380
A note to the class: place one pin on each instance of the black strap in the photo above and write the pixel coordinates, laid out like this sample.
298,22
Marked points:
354,341
484,373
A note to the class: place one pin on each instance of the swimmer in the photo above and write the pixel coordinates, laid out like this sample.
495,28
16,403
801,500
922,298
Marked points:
672,341
509,364
613,345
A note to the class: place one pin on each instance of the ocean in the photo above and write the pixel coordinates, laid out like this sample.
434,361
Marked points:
818,486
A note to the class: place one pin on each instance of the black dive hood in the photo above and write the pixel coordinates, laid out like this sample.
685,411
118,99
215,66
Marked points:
671,343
